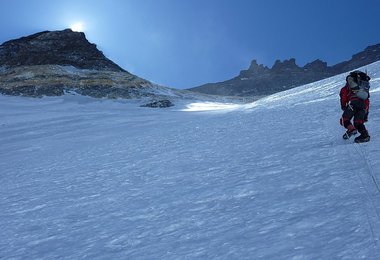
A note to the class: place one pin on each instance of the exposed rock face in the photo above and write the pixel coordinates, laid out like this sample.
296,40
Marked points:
55,80
54,63
259,80
55,48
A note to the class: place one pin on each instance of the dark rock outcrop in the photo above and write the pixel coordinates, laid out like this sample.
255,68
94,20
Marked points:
159,104
55,48
259,80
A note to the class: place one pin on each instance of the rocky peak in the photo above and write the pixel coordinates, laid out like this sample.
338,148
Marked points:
317,65
254,70
65,47
52,63
286,65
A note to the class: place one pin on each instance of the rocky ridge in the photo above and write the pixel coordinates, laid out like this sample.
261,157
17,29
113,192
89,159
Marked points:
259,80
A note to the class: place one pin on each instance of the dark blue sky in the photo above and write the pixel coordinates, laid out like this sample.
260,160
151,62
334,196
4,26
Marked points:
185,43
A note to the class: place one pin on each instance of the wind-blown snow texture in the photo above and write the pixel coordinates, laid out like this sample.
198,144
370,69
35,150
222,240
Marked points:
102,179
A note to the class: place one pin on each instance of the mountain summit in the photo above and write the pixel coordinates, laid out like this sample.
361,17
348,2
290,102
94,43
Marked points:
55,48
52,63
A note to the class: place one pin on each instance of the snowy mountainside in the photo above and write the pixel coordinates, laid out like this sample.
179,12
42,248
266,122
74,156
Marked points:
107,179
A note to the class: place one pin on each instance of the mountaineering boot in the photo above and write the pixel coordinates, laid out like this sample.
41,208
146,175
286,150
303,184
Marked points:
364,137
351,130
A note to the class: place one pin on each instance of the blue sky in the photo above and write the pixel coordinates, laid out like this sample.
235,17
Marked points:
185,43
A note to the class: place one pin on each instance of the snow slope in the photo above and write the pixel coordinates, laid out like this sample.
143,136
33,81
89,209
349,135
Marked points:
83,178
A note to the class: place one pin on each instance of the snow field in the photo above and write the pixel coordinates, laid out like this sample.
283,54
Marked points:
106,179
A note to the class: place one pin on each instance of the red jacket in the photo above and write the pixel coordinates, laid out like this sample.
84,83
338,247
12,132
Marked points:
346,95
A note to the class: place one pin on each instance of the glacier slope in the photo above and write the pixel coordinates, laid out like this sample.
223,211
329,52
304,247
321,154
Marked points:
106,179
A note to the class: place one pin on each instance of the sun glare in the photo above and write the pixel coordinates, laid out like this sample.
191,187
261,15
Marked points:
77,27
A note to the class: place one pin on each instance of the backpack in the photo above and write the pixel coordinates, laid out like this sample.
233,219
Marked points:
358,82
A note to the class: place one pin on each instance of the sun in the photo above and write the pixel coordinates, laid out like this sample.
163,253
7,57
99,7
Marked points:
77,27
